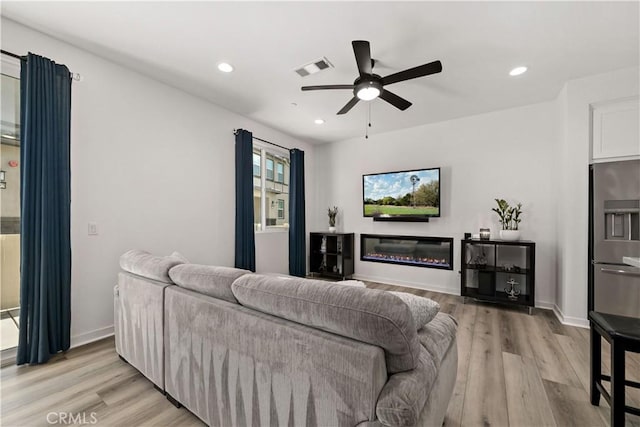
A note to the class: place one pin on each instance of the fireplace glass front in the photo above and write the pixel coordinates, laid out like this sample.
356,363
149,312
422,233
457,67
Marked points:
430,252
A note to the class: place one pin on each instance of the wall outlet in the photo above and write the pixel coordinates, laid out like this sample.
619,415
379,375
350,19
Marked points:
93,229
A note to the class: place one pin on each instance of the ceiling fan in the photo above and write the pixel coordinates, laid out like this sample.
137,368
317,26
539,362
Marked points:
369,86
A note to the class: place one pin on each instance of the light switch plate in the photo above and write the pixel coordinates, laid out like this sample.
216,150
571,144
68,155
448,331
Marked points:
93,229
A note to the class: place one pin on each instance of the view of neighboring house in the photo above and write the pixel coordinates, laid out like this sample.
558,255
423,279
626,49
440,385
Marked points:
271,189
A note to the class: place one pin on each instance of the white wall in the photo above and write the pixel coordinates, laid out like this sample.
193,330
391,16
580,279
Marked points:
154,167
575,101
505,154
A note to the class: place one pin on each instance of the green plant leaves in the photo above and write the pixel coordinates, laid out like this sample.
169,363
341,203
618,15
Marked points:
509,215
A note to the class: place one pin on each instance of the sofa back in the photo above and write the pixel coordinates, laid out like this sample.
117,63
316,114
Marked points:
232,366
368,315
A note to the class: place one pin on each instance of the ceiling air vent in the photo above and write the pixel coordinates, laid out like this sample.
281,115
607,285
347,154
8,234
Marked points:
314,67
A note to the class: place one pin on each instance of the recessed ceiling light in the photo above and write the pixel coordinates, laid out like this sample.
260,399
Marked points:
517,71
318,121
225,67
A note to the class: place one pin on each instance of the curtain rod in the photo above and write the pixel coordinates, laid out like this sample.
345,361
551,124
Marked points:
6,52
74,76
235,132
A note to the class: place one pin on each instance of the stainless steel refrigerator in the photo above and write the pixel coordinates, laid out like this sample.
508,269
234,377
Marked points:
615,238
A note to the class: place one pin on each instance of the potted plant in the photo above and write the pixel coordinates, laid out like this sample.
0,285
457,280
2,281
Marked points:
509,219
332,213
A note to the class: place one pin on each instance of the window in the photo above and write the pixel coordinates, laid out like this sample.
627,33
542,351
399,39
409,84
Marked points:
10,200
280,172
256,163
270,169
270,188
280,208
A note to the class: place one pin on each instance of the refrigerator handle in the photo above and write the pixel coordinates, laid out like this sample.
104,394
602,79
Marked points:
622,272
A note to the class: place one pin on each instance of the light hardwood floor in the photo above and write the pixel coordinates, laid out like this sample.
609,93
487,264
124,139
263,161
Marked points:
513,369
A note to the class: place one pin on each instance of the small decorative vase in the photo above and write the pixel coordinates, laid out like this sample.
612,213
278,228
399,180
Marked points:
332,229
510,235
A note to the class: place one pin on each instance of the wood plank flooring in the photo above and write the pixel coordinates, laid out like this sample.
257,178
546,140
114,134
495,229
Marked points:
513,369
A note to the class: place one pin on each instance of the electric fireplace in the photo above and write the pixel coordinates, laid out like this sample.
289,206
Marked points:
417,251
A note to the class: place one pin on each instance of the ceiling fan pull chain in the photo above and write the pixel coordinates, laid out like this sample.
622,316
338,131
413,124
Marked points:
366,128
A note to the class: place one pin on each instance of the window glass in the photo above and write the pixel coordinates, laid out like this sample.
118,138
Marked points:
280,208
271,189
280,172
256,163
270,169
10,201
257,190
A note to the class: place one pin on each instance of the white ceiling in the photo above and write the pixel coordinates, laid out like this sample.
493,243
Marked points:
181,43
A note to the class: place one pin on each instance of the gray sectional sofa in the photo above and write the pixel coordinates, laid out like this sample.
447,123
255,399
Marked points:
243,349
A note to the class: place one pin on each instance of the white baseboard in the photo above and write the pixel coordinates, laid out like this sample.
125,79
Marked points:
427,286
568,320
91,336
545,305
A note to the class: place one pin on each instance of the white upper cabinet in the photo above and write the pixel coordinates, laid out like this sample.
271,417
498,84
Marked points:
616,130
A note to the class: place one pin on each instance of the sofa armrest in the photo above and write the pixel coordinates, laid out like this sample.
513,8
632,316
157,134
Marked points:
138,324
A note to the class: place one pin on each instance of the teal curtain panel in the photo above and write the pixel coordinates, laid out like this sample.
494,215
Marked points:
297,233
245,253
45,289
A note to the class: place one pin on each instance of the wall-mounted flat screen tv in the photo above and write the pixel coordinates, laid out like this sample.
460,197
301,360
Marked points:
411,195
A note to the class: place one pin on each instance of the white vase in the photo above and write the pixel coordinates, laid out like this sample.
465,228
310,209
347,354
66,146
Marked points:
332,229
510,235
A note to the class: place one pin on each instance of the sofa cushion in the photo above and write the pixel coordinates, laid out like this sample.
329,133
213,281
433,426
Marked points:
422,309
372,316
207,279
405,394
142,263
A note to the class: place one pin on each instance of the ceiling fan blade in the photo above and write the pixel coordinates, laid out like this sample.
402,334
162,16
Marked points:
362,50
395,100
323,87
412,73
349,105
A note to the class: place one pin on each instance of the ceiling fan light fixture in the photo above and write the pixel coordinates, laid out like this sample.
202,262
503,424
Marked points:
518,71
368,89
368,93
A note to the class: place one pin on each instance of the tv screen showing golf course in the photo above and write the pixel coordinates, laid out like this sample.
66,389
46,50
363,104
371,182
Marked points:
404,193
